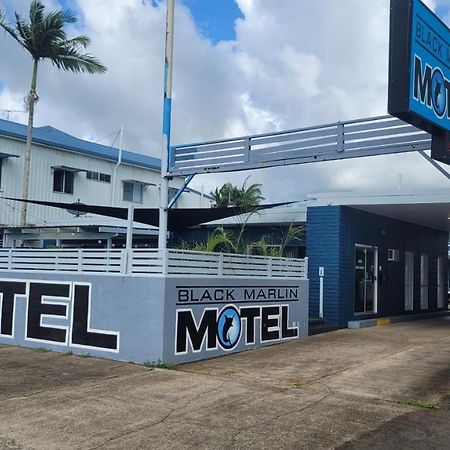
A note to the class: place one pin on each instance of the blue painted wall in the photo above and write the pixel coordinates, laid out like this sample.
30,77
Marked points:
333,231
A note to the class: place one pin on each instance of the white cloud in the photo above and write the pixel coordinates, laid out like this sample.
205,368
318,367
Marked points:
294,63
431,4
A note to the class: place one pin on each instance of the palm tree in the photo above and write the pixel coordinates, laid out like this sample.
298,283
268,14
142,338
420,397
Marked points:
250,196
43,37
224,196
246,196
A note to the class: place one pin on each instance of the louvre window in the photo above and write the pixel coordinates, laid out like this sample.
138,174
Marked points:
97,176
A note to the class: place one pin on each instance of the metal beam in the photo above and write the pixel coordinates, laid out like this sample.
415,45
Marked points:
187,180
342,140
435,164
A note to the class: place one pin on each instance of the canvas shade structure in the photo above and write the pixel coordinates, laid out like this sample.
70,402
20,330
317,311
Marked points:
178,218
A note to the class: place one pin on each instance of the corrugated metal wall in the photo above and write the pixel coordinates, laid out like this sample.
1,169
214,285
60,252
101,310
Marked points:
85,190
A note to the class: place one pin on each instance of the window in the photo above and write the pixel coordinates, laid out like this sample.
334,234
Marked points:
393,254
97,176
132,192
1,161
63,181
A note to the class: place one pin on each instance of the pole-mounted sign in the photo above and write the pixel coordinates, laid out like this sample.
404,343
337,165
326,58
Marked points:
419,72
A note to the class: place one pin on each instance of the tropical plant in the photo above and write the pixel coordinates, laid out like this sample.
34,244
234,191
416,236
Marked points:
43,37
292,234
220,240
246,197
284,237
232,241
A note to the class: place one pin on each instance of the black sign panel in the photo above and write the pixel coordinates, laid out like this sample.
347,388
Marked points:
419,71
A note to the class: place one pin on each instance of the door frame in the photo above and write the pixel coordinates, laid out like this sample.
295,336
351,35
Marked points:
411,287
375,284
440,283
424,282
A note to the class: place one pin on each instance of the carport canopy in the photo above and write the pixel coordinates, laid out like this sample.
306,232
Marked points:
431,210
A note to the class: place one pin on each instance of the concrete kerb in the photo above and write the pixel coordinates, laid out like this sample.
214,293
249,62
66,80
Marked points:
385,321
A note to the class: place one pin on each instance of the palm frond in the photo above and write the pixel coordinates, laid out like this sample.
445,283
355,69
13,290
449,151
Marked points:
36,13
71,60
44,38
69,16
11,32
84,41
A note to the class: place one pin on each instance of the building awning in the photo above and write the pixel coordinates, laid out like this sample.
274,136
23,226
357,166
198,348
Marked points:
8,155
69,169
143,183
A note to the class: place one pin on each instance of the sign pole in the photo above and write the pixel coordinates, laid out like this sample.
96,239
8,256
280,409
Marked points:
129,240
167,117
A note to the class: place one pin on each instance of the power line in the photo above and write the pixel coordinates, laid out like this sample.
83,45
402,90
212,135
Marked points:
116,133
9,111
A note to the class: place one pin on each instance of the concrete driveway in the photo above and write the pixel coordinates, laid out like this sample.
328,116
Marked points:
385,387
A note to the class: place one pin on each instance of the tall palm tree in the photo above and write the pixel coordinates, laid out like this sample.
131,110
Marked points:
43,37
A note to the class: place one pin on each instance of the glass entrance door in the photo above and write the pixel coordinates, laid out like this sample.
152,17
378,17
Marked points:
423,281
409,281
440,282
366,271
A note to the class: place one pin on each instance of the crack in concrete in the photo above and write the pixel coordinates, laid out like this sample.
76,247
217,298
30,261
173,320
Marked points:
160,421
81,385
272,419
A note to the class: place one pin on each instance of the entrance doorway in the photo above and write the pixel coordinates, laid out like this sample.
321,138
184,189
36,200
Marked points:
423,281
366,275
409,281
440,282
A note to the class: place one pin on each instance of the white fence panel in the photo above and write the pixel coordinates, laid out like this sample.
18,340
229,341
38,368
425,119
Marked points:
151,262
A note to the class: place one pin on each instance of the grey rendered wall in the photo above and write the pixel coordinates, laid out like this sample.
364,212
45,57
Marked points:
138,318
289,297
131,307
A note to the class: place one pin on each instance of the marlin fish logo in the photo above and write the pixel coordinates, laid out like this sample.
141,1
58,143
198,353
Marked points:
437,93
229,327
226,328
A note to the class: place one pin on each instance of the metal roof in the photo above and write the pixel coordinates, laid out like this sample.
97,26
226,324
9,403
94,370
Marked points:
53,137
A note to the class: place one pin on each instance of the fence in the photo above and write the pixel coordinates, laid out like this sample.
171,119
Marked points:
151,262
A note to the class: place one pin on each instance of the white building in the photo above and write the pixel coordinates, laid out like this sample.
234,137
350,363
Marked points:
67,169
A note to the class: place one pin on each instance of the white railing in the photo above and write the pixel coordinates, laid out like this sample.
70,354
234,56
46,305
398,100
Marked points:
352,139
64,260
151,262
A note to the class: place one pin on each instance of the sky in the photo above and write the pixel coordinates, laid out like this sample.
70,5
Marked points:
240,67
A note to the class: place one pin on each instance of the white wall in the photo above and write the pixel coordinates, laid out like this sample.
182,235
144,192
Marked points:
85,190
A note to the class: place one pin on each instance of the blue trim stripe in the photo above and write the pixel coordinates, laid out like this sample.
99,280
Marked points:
167,120
167,115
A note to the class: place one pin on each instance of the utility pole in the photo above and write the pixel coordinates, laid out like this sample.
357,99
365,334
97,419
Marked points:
167,118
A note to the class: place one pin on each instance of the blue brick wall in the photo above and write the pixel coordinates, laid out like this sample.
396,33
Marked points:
333,231
323,249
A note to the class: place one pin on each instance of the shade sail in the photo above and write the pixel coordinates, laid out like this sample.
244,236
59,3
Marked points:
178,218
